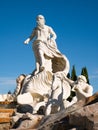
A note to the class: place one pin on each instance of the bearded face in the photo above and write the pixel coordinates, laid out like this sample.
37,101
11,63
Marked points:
40,20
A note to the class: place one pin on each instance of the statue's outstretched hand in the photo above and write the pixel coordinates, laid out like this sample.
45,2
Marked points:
27,41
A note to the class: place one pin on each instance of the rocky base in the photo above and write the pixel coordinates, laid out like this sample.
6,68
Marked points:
82,115
4,126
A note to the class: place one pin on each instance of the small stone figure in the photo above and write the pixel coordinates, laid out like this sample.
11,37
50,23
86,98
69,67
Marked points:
19,82
81,87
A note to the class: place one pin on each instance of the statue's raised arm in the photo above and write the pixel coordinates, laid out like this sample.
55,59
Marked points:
42,32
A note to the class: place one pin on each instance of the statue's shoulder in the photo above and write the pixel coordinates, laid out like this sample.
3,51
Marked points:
46,26
49,28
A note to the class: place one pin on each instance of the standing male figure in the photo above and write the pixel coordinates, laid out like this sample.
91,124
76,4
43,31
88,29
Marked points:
44,45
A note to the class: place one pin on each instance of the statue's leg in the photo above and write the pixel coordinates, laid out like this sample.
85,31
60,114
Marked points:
41,59
39,62
37,68
55,102
48,109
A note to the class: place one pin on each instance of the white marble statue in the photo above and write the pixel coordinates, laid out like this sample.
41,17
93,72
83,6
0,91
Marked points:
19,82
81,87
45,49
49,63
61,90
40,85
48,85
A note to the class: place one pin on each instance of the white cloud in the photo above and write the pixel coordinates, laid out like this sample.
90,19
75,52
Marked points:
96,72
7,81
94,75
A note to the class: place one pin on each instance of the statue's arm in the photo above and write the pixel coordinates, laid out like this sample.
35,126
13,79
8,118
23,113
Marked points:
53,34
30,38
71,82
88,91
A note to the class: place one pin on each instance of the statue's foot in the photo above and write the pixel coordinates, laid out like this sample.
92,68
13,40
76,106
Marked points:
35,72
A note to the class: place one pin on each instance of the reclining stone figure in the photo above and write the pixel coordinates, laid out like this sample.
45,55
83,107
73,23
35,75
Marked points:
81,87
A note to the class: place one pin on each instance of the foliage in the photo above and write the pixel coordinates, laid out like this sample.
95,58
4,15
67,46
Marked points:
68,75
85,73
9,92
73,74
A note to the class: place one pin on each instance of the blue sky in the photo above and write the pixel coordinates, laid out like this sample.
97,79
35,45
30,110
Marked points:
75,23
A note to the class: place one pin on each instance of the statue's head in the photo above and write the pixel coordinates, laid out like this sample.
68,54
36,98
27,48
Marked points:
40,20
81,77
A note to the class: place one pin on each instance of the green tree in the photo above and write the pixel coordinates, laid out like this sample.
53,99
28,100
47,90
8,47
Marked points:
73,74
9,92
85,73
68,75
73,77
